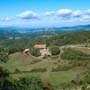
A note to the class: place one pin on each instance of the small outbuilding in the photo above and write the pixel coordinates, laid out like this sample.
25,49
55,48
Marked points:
26,51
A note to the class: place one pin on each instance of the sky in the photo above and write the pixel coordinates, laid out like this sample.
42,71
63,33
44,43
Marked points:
44,13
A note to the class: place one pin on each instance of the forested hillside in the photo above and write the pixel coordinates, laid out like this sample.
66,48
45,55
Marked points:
58,39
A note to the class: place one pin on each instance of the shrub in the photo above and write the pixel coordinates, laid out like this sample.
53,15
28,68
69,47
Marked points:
32,83
39,70
35,52
17,70
14,49
3,55
70,54
3,73
55,50
46,85
61,68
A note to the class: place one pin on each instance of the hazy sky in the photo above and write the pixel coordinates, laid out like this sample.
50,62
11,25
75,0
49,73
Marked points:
39,13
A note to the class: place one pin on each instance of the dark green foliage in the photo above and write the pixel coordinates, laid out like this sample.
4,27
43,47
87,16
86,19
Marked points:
24,42
12,50
39,70
86,77
79,63
55,40
70,38
35,52
17,71
32,83
3,55
70,54
82,82
10,84
3,73
61,68
55,50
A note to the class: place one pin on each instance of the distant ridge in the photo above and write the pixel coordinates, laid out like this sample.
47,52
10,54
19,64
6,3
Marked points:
19,31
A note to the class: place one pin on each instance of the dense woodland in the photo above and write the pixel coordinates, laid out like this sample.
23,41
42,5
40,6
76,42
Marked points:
60,39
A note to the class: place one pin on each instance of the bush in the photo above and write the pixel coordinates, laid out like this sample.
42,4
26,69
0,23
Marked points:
35,52
55,50
3,73
70,54
17,70
32,83
61,68
3,55
14,49
46,85
39,70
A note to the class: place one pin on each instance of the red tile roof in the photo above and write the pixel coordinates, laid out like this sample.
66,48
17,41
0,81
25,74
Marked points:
40,46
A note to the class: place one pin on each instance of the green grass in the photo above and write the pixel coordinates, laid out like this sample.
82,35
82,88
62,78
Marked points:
18,61
56,78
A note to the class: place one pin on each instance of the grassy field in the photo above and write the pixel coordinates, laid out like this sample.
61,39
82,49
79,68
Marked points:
26,63
56,78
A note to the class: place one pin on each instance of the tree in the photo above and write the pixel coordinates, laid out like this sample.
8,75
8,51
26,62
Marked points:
35,52
32,83
3,75
55,50
3,55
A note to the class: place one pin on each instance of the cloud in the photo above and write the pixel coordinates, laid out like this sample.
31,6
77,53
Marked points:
67,13
86,17
61,16
64,12
76,13
49,13
5,19
87,12
28,15
59,13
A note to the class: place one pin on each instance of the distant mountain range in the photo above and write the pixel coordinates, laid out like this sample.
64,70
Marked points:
18,31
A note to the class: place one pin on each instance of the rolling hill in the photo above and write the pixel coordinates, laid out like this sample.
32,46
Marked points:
20,31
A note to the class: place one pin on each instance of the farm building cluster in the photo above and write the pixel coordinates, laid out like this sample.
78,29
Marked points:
43,49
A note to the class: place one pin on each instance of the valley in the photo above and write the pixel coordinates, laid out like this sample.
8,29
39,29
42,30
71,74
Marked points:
67,61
